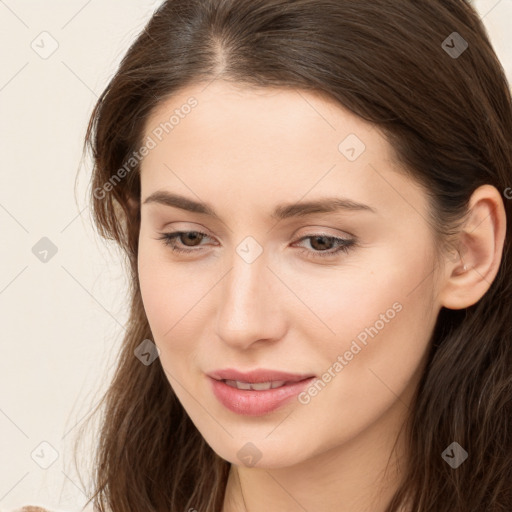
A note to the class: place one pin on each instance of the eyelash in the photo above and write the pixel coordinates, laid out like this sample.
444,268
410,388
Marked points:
344,247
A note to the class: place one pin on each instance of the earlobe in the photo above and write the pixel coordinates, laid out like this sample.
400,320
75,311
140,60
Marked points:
482,238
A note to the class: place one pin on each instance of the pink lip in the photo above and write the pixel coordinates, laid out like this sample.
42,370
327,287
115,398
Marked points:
251,402
258,375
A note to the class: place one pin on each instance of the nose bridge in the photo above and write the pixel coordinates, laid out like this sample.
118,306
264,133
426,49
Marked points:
248,300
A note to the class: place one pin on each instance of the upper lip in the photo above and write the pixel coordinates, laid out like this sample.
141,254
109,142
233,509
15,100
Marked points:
258,375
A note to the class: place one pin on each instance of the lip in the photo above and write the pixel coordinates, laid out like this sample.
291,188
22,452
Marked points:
258,375
249,402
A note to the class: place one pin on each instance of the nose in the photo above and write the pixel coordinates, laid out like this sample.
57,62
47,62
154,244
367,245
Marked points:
250,309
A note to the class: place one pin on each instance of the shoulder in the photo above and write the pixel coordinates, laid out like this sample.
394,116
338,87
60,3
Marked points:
28,508
31,508
37,508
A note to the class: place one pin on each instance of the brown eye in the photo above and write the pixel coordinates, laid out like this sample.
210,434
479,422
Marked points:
190,238
324,246
183,239
321,243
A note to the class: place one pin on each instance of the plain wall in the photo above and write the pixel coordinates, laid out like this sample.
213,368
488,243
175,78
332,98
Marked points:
63,318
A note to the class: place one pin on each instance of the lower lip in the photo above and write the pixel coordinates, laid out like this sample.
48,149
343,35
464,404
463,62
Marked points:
249,402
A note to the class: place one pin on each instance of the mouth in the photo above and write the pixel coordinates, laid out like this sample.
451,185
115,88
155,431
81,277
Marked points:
257,392
256,386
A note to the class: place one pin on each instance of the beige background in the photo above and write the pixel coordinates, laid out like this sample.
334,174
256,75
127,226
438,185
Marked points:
62,320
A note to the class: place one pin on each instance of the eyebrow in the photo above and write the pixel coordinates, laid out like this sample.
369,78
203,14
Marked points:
281,212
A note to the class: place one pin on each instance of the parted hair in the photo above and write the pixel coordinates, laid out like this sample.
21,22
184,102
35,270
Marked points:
448,118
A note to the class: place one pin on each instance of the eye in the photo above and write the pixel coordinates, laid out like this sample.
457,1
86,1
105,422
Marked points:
318,242
169,239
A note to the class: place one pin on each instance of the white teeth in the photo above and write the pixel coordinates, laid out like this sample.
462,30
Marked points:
257,386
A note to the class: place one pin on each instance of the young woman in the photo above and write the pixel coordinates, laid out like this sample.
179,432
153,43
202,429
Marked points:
313,198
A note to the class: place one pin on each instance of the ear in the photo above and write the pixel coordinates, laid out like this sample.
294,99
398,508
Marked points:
481,241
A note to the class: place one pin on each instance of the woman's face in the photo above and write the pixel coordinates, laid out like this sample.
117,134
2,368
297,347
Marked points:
263,288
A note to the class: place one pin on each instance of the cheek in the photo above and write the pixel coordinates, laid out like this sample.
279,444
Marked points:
385,287
174,299
382,321
158,289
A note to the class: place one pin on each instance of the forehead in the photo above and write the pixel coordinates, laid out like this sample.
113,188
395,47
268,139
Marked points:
241,143
220,109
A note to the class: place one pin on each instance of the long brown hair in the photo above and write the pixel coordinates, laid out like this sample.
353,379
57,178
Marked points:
443,102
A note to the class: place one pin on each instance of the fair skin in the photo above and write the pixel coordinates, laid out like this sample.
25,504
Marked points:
245,151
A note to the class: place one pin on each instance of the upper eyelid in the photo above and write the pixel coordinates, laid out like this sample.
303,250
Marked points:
298,238
310,230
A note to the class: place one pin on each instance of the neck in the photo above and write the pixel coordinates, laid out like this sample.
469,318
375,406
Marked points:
359,476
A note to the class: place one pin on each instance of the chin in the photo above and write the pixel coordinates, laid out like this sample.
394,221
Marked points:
262,453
